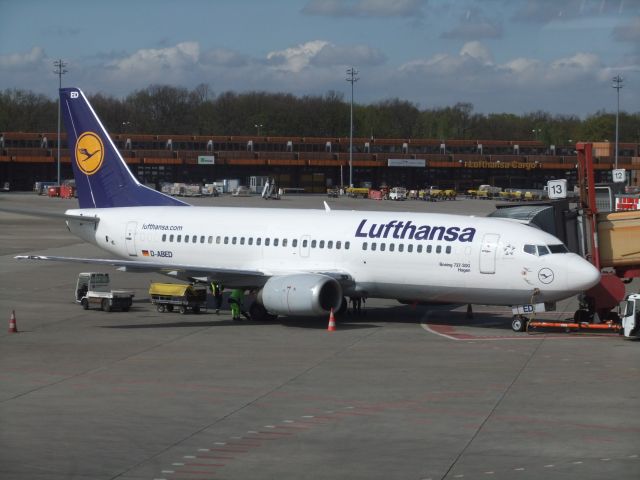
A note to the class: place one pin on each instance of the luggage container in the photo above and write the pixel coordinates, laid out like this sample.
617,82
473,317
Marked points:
169,296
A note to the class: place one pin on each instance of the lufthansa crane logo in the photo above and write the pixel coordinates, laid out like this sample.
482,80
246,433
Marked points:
89,153
545,275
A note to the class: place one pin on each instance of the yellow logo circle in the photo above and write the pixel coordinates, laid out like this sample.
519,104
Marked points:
89,153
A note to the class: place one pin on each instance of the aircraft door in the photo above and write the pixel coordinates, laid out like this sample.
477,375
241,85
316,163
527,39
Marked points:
130,238
305,240
488,253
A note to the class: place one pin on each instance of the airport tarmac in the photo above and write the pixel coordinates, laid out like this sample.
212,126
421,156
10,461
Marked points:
400,392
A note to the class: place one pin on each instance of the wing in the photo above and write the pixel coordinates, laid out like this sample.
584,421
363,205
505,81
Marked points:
229,277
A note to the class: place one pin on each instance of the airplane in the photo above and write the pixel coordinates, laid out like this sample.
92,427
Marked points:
306,262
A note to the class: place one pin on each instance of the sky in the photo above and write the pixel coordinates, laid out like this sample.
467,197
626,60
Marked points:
514,56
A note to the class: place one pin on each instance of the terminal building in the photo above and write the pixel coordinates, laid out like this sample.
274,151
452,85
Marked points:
315,164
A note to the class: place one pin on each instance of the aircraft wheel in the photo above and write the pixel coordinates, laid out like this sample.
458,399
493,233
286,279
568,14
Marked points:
258,312
85,303
518,324
105,305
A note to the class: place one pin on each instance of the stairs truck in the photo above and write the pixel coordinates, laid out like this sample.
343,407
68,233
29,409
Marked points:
93,289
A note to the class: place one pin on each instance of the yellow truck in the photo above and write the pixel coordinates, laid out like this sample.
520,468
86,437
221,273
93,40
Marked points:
168,296
356,192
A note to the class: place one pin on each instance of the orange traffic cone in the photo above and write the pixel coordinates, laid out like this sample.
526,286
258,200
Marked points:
332,322
13,328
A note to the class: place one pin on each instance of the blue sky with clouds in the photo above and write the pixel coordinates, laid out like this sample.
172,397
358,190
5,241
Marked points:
501,55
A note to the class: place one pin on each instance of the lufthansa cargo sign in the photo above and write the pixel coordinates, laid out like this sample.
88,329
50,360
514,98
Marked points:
406,162
206,160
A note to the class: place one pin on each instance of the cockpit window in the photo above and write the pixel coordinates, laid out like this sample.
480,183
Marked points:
530,249
542,250
560,248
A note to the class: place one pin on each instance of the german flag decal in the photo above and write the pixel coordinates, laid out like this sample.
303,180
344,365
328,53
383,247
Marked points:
145,253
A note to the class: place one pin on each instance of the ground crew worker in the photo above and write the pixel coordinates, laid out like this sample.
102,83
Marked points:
235,301
217,288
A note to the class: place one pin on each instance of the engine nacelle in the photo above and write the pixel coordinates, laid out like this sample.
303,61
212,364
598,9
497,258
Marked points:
301,294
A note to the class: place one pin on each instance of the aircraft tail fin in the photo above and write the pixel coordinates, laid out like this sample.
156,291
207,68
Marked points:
103,179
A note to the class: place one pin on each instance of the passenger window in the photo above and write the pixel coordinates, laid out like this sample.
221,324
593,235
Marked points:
419,249
439,249
305,243
313,243
201,238
428,248
266,241
241,240
210,239
401,248
186,239
338,244
373,246
194,239
383,247
364,245
294,243
275,242
250,241
448,249
171,238
321,243
392,247
530,249
259,241
347,245
164,237
234,240
410,248
218,238
179,238
330,244
284,242
542,250
226,240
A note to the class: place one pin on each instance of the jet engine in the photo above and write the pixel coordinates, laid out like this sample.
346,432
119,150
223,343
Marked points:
301,294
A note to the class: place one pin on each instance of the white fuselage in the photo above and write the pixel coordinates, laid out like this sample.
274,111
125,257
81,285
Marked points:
419,257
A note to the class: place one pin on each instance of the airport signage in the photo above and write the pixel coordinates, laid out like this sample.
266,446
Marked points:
619,175
206,159
557,188
407,162
502,165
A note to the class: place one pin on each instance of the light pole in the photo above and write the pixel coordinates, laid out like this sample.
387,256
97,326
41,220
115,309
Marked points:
60,70
617,84
351,78
258,126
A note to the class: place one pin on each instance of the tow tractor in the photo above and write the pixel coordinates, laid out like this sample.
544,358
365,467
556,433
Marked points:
610,241
92,288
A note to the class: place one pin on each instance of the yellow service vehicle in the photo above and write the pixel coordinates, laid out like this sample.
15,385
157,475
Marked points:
167,296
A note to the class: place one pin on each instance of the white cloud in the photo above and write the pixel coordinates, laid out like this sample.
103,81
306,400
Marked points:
295,59
361,55
183,55
21,61
477,51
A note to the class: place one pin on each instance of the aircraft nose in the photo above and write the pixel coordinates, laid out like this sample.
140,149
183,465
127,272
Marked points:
581,275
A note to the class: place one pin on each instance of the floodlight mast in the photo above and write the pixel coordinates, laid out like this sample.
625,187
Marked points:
617,84
351,78
60,70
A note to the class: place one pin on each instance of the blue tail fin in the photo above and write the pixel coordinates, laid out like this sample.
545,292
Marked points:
103,179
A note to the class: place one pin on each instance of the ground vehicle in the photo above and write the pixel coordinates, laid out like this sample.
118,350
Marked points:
92,288
630,315
184,297
485,191
357,192
434,193
398,193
